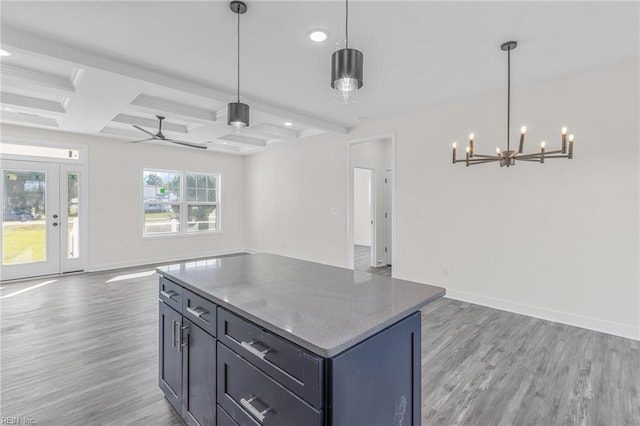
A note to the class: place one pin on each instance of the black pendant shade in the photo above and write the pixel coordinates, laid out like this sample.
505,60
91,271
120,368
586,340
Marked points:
347,67
238,115
238,112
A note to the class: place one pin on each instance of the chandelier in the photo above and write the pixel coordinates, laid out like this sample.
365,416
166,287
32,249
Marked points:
508,157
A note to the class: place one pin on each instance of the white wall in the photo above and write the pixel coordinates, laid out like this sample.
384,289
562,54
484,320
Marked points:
296,200
115,203
362,181
558,241
376,155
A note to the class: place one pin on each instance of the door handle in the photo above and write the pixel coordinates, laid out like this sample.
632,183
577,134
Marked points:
197,312
246,403
180,336
249,346
168,294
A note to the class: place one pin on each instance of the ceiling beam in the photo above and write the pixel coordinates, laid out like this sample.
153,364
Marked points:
30,119
14,76
21,39
221,146
272,131
151,123
172,109
243,139
29,103
124,133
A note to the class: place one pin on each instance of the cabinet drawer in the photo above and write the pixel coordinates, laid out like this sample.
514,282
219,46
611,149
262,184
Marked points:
247,395
295,368
224,419
171,293
199,311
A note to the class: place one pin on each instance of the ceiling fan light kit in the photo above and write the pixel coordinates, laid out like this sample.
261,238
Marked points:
238,112
508,156
347,69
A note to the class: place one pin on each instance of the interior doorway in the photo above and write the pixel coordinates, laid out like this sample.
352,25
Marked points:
370,220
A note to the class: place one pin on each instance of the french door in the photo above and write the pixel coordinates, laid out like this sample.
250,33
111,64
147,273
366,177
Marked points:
41,218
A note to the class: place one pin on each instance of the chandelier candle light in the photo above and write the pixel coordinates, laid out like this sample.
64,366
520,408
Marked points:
508,157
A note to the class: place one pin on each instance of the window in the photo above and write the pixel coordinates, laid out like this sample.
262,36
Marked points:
180,202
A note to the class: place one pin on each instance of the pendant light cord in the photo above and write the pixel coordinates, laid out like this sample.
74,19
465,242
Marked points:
508,98
346,24
238,56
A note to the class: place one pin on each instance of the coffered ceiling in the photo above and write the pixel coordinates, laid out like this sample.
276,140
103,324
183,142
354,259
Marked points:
99,67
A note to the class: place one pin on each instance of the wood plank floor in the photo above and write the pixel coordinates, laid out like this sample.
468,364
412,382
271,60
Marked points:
82,350
362,261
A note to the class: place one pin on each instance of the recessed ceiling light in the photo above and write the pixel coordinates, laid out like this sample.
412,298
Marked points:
318,36
5,53
288,123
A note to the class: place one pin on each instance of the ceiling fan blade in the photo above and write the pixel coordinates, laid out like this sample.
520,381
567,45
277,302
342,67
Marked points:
189,144
142,140
144,130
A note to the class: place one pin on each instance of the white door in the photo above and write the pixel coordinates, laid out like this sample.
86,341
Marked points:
364,211
387,216
40,228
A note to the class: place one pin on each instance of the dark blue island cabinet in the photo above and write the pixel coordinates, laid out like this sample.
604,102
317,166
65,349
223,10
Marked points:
268,340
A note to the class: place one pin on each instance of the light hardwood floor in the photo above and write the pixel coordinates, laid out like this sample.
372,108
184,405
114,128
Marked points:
362,261
82,350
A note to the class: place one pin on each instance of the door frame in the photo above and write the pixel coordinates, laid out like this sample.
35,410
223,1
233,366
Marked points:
349,219
82,165
388,233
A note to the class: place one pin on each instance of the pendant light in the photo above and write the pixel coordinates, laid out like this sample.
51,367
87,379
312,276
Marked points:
347,66
508,157
238,112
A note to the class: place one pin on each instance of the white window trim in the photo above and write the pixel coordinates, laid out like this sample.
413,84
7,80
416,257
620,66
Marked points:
183,204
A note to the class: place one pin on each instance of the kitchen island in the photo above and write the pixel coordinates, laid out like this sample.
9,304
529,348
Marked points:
269,340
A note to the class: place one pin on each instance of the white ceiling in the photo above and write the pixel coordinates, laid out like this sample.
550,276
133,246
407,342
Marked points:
99,66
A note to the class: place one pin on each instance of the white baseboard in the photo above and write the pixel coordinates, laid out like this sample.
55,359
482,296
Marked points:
609,327
360,243
162,259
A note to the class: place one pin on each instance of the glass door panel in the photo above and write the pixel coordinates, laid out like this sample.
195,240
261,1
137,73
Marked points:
24,232
73,215
30,231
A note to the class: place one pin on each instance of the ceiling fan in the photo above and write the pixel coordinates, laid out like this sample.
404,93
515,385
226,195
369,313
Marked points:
161,137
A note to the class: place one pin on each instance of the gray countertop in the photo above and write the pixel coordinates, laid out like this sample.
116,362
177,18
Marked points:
324,309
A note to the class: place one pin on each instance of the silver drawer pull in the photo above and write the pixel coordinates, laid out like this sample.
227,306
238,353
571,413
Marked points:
196,312
249,346
168,294
246,403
